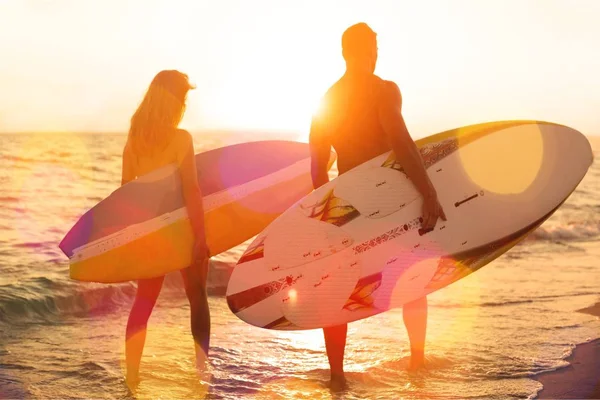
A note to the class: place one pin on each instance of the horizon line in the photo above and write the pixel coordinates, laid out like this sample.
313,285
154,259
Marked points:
124,132
192,131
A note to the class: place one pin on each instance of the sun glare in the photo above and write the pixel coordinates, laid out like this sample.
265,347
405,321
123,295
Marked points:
248,101
481,159
308,339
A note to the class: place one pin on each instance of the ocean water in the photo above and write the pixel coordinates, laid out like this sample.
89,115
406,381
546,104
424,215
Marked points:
488,334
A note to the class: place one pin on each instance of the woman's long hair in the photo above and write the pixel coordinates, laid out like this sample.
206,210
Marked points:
157,117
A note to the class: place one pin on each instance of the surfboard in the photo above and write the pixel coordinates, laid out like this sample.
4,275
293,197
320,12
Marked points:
141,230
354,248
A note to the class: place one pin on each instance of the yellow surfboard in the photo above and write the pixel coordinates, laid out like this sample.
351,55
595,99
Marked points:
142,231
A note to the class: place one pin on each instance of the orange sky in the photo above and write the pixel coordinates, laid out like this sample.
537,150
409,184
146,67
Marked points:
83,65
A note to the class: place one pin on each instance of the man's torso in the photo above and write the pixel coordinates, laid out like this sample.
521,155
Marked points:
353,126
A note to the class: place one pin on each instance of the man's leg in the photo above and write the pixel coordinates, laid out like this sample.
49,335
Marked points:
415,319
335,343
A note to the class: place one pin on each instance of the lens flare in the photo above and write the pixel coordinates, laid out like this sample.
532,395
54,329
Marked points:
454,312
507,162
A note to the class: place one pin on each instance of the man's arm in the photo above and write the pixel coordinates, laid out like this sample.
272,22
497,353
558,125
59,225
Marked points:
390,115
320,150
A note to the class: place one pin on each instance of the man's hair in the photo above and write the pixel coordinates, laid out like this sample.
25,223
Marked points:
357,40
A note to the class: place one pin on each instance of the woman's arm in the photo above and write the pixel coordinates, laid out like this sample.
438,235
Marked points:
127,172
191,190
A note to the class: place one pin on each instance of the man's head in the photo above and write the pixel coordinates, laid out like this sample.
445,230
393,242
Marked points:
359,47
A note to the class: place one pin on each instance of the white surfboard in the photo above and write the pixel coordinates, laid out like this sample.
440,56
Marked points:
354,247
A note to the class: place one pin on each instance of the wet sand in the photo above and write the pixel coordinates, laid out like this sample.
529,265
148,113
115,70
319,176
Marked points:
579,380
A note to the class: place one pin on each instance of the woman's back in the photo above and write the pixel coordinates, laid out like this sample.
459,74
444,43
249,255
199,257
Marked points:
143,163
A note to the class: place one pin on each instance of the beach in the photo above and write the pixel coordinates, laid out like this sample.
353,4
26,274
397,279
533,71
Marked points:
527,321
581,378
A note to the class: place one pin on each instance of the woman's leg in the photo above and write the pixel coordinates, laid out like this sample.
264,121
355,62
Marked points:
135,337
194,278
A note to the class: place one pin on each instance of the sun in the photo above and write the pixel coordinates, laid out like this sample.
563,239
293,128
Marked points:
246,102
269,88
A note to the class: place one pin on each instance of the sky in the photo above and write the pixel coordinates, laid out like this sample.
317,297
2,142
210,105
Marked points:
83,65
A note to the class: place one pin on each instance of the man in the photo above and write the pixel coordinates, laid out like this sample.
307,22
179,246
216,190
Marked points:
361,117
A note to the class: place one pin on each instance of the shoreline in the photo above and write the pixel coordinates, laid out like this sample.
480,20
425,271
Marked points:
581,378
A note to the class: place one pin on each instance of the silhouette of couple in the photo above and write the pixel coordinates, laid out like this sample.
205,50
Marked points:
361,118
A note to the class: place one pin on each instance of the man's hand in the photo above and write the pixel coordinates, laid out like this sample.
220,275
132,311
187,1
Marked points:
432,210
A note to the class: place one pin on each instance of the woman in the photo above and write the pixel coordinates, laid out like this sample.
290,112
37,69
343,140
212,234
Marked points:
153,142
